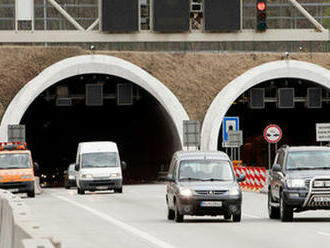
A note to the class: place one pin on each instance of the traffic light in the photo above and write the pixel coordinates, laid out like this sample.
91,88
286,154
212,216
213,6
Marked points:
261,15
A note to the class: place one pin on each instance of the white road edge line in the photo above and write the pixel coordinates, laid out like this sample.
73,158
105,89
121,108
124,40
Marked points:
324,234
147,237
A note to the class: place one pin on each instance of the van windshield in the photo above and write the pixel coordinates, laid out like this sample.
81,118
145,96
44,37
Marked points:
206,170
99,160
14,161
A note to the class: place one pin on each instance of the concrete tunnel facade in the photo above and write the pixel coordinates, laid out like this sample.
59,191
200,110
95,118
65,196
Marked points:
170,98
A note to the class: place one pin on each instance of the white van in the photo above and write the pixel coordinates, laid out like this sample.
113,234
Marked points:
98,167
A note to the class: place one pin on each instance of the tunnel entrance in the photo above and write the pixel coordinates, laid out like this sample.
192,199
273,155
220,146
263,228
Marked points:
297,123
59,118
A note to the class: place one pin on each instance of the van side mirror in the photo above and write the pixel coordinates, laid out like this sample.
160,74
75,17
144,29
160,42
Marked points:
276,168
241,178
123,165
76,167
35,166
170,178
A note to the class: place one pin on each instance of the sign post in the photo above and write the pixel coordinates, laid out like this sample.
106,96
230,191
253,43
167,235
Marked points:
232,137
272,135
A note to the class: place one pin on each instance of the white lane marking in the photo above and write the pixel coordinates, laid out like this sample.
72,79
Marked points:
151,239
252,216
324,234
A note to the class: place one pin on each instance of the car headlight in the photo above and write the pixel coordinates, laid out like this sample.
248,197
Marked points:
86,176
71,177
186,192
114,175
295,183
26,177
234,191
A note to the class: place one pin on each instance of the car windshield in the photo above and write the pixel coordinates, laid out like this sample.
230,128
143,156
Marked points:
205,170
14,161
99,159
308,160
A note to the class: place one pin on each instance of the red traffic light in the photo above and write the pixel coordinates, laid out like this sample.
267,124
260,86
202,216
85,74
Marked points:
261,6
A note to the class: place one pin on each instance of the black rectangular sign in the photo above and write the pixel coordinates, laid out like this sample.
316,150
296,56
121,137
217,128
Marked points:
222,15
120,15
171,15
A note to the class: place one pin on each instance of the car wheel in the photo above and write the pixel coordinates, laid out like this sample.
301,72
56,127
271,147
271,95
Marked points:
67,187
227,216
237,217
120,190
177,216
170,214
273,212
286,212
80,191
31,194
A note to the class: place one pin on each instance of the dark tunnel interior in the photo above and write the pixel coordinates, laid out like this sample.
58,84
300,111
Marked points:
298,124
144,132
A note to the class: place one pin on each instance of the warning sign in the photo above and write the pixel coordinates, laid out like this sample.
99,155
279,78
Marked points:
322,132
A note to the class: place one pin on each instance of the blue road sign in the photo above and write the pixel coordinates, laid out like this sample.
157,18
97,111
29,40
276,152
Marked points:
229,124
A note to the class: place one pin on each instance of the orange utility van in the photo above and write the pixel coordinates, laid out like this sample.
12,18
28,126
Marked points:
16,168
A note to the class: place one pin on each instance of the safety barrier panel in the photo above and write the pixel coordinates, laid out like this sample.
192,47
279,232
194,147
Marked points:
255,177
17,228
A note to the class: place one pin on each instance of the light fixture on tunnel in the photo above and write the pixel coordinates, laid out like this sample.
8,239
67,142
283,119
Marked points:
124,94
63,101
257,98
314,98
285,98
94,94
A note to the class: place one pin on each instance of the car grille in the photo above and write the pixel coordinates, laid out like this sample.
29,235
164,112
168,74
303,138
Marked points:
210,192
314,203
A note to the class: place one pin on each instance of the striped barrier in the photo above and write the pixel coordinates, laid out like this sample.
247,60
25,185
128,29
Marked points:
255,177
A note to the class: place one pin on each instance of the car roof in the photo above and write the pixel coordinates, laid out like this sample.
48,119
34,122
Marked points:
308,148
98,146
185,155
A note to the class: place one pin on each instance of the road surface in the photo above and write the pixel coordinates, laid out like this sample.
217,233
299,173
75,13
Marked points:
137,218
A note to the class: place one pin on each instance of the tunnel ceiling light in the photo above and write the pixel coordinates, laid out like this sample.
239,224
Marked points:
63,102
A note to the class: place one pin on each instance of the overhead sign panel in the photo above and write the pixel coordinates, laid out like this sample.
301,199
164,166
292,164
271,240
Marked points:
120,15
224,15
322,132
171,15
24,10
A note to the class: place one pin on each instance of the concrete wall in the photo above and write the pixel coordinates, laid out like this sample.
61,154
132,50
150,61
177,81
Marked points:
17,228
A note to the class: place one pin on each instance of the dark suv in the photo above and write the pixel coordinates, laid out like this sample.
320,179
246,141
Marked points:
203,183
299,181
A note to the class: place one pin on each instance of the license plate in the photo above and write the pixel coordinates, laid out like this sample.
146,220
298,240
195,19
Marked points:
322,199
102,187
211,204
13,190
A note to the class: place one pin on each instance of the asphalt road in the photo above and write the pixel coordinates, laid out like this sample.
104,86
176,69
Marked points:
137,218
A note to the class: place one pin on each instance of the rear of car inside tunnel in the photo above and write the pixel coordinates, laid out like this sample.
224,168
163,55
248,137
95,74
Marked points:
65,114
302,106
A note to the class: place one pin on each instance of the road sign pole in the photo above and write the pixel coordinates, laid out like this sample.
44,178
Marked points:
269,157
